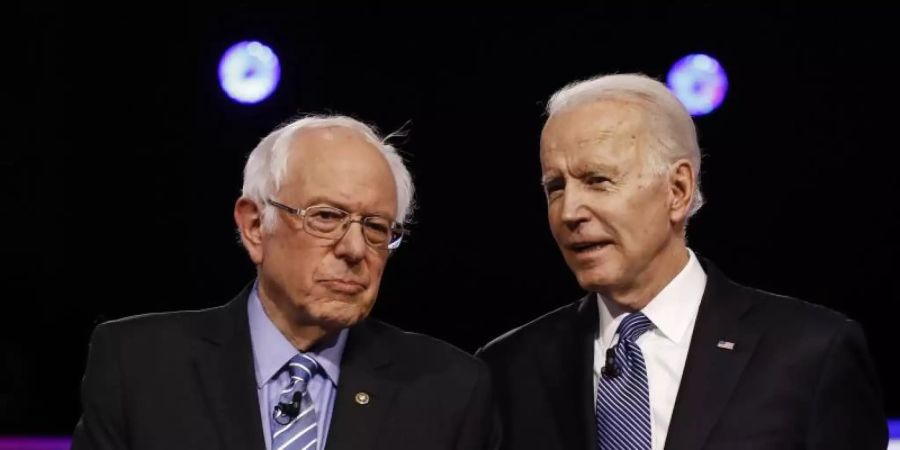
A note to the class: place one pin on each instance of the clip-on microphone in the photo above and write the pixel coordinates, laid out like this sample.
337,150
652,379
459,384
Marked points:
610,370
285,412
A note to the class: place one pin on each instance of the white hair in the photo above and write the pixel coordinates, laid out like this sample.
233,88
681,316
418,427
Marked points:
669,124
267,164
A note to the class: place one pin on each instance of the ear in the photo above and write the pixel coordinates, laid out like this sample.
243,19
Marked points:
682,185
248,218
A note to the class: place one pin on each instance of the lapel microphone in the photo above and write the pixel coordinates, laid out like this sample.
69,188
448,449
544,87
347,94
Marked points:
285,412
610,370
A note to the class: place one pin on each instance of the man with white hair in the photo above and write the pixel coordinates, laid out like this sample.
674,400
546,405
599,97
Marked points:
665,351
293,362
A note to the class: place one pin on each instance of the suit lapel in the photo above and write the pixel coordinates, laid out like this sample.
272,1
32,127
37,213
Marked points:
565,360
711,372
225,370
365,393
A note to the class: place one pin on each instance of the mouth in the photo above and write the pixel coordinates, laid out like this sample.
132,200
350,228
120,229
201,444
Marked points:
587,247
348,287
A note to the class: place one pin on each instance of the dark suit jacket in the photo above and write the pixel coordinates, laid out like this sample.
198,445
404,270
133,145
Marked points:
799,377
186,380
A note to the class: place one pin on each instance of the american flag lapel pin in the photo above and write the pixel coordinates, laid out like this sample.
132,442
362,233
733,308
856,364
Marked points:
727,345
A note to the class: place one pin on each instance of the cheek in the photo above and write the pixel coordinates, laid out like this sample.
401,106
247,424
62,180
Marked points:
376,269
297,264
646,225
554,221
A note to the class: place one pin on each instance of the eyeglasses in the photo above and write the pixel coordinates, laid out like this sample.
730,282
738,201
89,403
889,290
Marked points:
332,223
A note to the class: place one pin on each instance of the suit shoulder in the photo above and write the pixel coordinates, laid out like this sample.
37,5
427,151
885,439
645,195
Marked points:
153,325
525,336
789,319
795,310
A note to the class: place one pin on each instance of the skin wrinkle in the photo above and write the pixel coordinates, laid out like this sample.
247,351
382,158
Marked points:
618,223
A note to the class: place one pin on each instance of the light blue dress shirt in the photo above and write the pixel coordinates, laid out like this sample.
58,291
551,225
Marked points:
271,351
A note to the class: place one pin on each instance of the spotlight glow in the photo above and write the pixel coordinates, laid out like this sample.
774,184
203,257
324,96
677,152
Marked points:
699,82
249,72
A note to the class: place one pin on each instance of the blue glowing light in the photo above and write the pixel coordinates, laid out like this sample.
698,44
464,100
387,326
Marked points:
699,82
249,72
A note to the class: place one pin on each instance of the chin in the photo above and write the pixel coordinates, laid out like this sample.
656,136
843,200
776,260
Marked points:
594,280
339,314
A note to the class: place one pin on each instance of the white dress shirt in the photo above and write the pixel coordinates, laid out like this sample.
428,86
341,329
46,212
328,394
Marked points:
665,346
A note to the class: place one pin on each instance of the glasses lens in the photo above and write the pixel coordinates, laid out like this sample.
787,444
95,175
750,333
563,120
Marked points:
377,230
324,219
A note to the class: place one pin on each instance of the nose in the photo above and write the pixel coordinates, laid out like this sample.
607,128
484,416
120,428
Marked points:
352,245
573,210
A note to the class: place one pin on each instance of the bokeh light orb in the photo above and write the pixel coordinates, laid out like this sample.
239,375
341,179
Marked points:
699,81
249,72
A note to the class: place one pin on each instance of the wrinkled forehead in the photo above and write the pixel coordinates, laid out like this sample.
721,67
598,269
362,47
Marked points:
593,122
334,146
340,163
611,134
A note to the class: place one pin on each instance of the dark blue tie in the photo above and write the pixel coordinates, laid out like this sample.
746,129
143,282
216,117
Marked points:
623,395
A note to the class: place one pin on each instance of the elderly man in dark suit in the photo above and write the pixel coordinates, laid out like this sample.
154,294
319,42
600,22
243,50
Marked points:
665,352
293,362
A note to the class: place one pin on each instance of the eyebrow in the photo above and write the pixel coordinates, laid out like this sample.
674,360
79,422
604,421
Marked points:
320,200
550,178
581,171
592,167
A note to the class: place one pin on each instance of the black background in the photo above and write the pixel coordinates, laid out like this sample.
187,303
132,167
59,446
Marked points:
122,159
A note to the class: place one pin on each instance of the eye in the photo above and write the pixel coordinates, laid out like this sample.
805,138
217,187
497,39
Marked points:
554,185
327,215
378,226
596,180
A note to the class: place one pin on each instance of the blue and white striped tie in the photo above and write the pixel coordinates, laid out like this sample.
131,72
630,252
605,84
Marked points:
623,398
296,433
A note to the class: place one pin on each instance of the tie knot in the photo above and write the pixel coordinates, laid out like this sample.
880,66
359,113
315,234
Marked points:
633,326
302,367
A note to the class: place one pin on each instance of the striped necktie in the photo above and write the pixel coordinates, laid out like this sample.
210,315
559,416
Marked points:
294,417
623,394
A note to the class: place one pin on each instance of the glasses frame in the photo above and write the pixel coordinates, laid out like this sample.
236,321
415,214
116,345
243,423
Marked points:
397,230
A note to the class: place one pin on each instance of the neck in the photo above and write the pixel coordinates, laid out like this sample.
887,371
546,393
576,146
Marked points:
303,336
664,267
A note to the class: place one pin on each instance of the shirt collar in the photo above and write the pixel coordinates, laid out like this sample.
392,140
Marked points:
672,310
272,350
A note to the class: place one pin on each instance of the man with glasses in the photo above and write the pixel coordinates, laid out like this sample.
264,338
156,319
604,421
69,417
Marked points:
293,362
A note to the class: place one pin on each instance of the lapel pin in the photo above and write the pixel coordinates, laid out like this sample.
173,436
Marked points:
362,398
726,345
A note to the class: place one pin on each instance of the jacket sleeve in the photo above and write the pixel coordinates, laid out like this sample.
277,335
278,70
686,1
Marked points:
848,410
480,427
102,424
